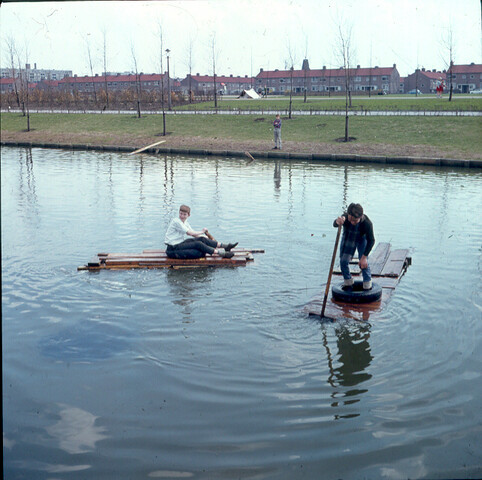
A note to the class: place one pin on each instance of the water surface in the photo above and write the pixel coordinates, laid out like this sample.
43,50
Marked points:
218,373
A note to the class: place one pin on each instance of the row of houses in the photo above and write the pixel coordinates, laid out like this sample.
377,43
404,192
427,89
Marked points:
464,78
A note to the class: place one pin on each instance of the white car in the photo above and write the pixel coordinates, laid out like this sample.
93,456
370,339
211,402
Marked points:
476,92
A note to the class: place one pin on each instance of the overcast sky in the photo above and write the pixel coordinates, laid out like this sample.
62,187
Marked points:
249,35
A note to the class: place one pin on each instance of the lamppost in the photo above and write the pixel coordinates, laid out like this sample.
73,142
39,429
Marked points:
169,106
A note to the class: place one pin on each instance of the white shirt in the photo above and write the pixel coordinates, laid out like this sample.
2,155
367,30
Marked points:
176,232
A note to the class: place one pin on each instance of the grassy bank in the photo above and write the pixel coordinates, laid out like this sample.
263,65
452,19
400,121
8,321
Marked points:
378,103
457,137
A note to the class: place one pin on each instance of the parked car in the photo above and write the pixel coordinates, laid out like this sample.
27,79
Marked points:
478,91
415,91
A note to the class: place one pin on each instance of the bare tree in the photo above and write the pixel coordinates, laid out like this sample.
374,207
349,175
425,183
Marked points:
305,68
24,82
12,53
345,53
190,47
138,81
91,66
449,47
161,66
104,53
214,55
291,63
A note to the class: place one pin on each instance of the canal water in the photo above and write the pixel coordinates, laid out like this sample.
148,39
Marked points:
218,373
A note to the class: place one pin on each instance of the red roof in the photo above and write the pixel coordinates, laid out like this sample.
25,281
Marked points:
144,77
7,81
221,78
326,72
472,68
431,75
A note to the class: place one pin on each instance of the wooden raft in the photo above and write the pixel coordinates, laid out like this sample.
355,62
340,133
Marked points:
387,267
159,259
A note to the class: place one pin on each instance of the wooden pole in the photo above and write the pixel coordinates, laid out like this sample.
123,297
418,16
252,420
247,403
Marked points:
251,158
209,236
327,289
145,148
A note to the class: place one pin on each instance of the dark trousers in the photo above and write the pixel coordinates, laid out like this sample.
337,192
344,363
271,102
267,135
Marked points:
192,248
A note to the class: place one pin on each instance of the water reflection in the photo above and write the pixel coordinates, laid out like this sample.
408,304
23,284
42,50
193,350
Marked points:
187,285
27,184
277,176
76,431
354,358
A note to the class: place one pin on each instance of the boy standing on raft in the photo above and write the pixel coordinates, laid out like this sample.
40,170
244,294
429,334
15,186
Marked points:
357,235
179,245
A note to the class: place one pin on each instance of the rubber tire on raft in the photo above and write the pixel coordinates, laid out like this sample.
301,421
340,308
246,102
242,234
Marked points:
355,293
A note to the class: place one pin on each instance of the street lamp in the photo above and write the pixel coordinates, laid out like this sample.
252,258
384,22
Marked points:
169,106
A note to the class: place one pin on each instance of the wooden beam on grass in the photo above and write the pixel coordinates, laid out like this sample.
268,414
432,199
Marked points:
145,148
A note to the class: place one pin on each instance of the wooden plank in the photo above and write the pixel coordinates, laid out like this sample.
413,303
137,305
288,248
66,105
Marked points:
145,148
395,263
379,257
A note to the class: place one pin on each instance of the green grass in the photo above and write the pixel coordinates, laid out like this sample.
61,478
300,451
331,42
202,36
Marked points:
383,103
454,134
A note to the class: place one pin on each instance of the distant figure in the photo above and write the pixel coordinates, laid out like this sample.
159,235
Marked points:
440,89
277,132
357,235
180,246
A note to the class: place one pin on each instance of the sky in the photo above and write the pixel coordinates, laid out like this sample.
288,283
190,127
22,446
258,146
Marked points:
242,36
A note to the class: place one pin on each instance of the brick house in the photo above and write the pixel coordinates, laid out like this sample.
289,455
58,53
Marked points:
227,85
7,85
424,80
465,78
325,80
116,82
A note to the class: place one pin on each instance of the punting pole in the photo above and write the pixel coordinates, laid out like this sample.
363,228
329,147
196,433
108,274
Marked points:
251,158
327,289
209,236
145,148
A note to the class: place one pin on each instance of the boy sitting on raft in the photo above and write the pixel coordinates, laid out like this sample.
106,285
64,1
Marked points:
179,245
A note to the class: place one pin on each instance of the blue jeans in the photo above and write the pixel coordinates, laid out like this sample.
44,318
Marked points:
277,138
345,261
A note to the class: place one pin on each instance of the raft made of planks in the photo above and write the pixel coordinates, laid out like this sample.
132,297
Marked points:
387,267
159,259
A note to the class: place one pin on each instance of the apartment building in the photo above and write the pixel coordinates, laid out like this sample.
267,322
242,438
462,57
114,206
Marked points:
35,75
424,80
386,79
227,85
117,82
465,78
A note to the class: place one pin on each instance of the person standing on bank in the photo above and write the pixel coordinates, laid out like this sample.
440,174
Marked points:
357,235
277,132
179,245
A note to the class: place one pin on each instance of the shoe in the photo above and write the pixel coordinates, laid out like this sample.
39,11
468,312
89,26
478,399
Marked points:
225,254
229,246
348,282
274,148
367,285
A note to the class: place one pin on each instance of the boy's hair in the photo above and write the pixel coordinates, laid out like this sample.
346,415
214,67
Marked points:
185,208
355,210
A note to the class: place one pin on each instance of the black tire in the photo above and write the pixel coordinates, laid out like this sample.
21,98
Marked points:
355,293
